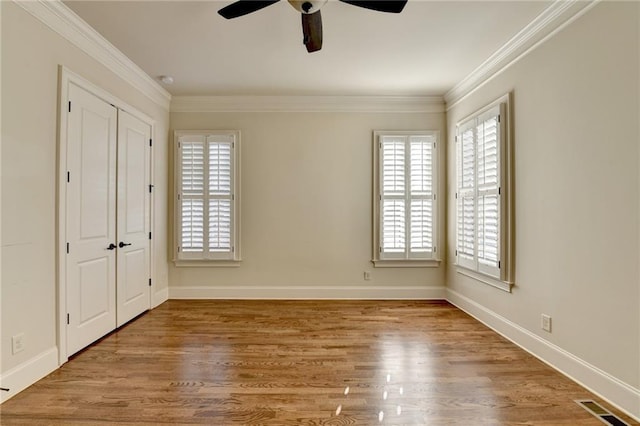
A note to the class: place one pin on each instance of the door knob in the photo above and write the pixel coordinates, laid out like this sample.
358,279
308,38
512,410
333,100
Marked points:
111,246
123,244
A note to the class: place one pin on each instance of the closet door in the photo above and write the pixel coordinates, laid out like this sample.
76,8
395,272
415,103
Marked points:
133,288
90,219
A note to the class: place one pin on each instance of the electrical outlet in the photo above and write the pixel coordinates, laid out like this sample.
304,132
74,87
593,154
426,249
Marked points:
17,343
367,276
546,323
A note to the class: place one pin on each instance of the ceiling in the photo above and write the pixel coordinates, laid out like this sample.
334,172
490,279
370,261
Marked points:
425,50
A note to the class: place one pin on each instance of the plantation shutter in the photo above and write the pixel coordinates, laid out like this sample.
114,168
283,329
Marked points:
206,197
478,193
488,187
466,196
220,164
393,196
421,172
406,170
191,196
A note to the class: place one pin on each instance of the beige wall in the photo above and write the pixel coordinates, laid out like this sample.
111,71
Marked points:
31,53
576,190
306,202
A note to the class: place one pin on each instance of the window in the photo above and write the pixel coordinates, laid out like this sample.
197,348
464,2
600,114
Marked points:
405,187
207,198
482,195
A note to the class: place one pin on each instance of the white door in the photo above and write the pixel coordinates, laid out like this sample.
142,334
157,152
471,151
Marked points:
133,285
90,219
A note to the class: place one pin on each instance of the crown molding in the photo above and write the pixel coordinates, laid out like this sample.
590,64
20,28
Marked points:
405,104
57,16
554,18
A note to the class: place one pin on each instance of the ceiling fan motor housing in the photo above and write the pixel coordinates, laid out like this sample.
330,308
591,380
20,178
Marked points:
307,6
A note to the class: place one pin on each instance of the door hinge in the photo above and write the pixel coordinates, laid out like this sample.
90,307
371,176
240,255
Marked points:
233,197
69,106
68,177
434,196
456,195
67,319
498,264
67,248
149,282
499,191
233,249
434,249
456,139
456,252
150,142
498,118
380,249
150,188
149,235
178,249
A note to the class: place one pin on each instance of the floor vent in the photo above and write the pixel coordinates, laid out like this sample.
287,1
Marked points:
601,413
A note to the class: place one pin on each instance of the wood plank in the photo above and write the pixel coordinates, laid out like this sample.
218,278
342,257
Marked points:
228,362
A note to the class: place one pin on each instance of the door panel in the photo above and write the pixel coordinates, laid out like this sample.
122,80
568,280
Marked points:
94,290
133,295
134,265
132,174
91,219
95,197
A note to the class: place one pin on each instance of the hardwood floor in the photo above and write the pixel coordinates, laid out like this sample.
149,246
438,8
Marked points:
302,363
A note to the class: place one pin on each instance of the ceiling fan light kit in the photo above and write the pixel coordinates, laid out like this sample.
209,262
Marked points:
310,11
307,6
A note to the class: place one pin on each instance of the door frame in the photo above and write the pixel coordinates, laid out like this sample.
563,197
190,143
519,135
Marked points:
67,77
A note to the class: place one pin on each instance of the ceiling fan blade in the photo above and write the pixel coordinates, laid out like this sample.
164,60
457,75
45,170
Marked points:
312,31
244,7
391,6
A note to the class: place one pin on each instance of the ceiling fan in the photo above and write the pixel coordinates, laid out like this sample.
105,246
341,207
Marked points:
310,10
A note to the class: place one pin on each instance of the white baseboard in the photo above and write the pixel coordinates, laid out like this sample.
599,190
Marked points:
619,394
308,292
159,297
24,375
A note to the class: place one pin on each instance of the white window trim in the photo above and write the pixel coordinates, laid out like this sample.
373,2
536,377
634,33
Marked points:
478,276
505,281
432,262
236,258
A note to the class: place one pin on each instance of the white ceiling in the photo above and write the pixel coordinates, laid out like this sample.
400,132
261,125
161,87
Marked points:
425,50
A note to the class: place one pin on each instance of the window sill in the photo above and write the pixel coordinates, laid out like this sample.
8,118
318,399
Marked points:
485,279
404,263
207,263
